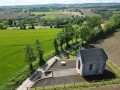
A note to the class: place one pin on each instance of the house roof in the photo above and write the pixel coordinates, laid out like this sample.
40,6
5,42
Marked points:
93,55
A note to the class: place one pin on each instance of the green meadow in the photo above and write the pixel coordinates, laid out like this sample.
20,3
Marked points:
12,43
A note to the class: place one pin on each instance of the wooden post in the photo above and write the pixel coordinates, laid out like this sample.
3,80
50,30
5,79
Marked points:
93,82
112,80
74,84
53,87
64,85
43,87
35,88
52,74
103,81
83,83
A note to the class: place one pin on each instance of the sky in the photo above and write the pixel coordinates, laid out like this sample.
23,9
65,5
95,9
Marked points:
31,2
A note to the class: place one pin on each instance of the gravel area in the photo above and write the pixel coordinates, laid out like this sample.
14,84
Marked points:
69,64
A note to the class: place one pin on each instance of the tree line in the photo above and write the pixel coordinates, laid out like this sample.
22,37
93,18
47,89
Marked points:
23,22
90,31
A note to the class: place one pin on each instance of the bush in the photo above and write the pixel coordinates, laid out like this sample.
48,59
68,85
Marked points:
2,26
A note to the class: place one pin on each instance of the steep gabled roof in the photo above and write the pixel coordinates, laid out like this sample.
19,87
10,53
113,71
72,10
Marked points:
93,55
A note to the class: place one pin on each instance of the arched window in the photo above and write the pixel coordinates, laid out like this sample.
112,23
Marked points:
90,67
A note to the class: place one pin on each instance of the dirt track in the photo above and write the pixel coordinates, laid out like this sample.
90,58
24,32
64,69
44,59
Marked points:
111,46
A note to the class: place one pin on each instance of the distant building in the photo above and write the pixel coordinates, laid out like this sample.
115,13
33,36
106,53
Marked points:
91,61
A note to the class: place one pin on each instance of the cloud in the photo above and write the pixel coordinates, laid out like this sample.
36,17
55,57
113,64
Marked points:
28,2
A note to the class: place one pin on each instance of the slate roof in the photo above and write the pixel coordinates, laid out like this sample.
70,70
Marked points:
93,55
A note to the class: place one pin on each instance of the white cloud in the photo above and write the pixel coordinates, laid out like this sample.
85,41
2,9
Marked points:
28,2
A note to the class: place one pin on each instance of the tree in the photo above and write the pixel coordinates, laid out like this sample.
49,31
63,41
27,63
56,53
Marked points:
22,25
115,20
45,22
2,26
55,44
51,26
32,25
10,22
68,34
58,22
14,23
109,28
94,21
76,30
60,37
85,32
29,56
39,52
78,20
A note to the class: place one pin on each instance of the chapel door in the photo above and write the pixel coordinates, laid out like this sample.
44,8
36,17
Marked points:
78,64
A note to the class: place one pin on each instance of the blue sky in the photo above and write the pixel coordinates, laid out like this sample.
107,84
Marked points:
29,2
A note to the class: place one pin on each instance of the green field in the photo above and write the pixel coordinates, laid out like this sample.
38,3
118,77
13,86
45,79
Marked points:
12,43
47,13
49,16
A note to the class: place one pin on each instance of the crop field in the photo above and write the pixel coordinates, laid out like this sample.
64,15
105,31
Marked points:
72,13
88,12
47,13
56,16
12,43
62,16
49,16
111,46
13,15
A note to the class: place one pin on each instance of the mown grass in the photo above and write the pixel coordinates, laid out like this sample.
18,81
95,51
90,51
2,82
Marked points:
12,43
47,13
113,67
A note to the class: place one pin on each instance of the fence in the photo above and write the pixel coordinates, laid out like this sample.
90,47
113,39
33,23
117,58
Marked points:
78,85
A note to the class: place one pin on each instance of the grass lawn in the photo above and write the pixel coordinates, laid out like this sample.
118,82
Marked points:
12,43
47,13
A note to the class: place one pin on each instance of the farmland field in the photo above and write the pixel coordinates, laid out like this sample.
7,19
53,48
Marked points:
12,43
111,46
88,12
47,13
73,13
13,15
56,16
49,16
